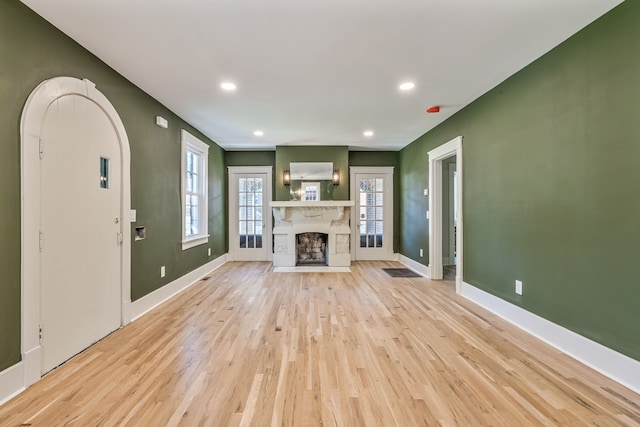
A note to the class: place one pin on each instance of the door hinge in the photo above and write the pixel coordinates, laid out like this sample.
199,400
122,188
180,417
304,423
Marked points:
41,148
40,334
119,238
41,241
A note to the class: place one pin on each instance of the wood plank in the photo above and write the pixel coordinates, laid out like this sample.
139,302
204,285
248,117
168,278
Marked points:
254,347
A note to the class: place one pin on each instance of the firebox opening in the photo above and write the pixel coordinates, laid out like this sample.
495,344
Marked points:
311,249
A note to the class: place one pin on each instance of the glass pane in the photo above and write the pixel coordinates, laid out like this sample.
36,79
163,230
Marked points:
259,241
243,241
258,199
379,184
250,185
243,227
189,162
250,227
104,172
194,163
243,213
258,213
250,213
243,199
379,213
258,188
363,227
379,199
370,242
249,199
242,184
259,228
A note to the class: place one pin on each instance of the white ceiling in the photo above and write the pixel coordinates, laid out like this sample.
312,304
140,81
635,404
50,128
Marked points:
318,72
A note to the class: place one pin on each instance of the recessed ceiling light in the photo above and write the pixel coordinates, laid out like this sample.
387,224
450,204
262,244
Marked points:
407,86
228,86
258,133
368,133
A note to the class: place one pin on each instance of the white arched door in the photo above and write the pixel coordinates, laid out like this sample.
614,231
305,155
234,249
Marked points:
76,236
80,228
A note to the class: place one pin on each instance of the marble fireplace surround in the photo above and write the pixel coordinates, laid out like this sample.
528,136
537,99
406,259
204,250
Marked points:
295,217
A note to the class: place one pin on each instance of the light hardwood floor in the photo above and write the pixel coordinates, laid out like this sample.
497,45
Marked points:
254,347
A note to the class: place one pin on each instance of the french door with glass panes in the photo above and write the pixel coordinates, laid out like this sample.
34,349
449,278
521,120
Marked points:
372,222
249,213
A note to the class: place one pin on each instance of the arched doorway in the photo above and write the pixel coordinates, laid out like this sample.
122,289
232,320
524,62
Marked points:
75,228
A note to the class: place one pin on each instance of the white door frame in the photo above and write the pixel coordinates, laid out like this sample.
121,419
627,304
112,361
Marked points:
31,127
387,232
451,148
267,216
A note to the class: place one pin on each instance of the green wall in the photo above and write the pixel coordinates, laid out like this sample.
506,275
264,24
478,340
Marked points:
31,51
550,184
339,155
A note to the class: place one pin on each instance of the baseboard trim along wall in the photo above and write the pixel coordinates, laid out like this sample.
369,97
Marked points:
11,382
137,308
608,362
15,379
415,266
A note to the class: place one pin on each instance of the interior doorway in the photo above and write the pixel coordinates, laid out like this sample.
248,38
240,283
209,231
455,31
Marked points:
449,217
75,230
439,172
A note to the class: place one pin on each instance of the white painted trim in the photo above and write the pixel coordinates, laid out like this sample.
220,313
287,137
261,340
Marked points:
30,134
148,302
387,172
267,217
415,266
608,362
435,156
194,145
11,382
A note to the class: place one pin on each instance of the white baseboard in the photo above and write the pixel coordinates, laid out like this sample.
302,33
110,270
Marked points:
11,382
18,377
32,365
415,266
148,302
608,362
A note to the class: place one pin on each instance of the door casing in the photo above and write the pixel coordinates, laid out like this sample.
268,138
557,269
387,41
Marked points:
435,157
386,252
234,172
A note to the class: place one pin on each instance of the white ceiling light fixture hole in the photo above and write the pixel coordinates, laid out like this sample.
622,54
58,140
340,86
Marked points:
258,133
228,86
368,133
407,86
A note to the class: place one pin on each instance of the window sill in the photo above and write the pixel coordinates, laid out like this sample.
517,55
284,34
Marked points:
186,244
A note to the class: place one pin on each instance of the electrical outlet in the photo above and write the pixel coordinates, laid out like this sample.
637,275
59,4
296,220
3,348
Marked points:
209,251
421,252
518,287
162,271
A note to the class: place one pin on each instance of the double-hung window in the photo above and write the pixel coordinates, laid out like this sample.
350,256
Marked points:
195,219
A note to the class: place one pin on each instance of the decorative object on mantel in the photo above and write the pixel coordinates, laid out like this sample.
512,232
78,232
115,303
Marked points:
286,178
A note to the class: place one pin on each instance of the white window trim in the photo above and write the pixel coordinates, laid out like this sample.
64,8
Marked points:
191,143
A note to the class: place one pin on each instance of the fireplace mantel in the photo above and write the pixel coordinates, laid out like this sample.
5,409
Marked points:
295,217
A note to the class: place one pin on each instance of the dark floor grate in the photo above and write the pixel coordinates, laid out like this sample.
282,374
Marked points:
401,272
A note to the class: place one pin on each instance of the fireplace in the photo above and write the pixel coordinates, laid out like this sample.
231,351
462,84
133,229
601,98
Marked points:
312,233
311,248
